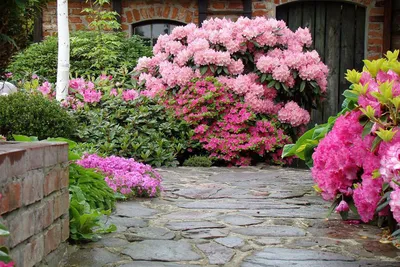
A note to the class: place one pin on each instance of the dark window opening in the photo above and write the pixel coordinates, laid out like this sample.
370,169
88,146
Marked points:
151,30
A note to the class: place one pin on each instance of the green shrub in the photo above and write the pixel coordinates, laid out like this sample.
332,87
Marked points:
198,161
91,54
140,129
85,222
34,115
97,193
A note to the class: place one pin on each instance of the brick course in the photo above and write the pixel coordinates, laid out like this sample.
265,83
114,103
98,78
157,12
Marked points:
35,200
186,11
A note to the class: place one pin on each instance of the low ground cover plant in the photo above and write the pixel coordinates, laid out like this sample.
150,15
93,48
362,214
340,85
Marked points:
265,74
355,156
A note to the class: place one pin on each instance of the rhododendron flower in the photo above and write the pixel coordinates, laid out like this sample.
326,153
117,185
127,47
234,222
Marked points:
395,204
342,207
77,84
106,77
293,114
130,95
45,88
8,75
10,264
34,77
114,92
390,164
91,96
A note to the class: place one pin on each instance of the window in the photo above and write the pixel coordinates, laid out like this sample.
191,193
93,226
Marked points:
150,30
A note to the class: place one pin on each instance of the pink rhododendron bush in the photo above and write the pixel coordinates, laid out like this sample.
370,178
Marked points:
356,164
125,176
266,80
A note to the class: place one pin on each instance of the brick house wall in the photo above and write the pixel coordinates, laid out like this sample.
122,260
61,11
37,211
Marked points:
187,11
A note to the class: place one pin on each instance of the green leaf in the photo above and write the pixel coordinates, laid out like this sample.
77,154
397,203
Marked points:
302,86
383,205
350,95
367,128
24,138
271,84
333,206
375,143
263,77
203,70
277,86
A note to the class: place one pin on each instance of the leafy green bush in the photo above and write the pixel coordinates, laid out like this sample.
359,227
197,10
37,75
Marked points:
34,115
140,129
198,161
85,222
96,191
91,54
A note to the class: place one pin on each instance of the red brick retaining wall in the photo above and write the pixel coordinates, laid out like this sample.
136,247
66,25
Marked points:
35,201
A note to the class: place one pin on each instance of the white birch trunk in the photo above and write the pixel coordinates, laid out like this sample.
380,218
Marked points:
63,50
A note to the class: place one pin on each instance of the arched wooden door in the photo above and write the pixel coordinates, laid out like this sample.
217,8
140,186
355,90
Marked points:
338,31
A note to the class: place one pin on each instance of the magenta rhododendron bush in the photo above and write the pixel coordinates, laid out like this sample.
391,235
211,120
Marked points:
357,164
266,80
125,176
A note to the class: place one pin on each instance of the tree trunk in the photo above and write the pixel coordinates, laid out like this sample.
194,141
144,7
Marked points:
63,50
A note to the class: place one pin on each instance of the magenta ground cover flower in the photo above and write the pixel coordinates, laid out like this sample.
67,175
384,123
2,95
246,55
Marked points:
126,176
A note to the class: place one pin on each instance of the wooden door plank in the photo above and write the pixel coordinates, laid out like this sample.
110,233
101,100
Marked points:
347,47
332,55
317,116
309,17
295,16
282,13
359,38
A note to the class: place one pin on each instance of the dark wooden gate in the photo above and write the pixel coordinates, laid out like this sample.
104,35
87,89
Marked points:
338,30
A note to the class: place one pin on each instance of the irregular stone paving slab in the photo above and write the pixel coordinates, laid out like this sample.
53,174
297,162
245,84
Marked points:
205,233
133,209
127,222
268,241
154,264
138,234
183,226
113,242
309,213
235,205
190,215
273,231
230,242
216,254
92,257
161,250
241,220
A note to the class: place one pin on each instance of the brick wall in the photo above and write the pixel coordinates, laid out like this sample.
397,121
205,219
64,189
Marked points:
35,201
186,11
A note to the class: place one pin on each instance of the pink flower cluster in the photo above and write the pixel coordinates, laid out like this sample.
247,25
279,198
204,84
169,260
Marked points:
231,50
344,164
82,91
390,172
125,175
293,114
227,128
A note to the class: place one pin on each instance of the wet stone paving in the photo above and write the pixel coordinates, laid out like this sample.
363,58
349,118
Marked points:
243,217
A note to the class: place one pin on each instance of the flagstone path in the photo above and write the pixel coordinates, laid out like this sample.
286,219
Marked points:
244,217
